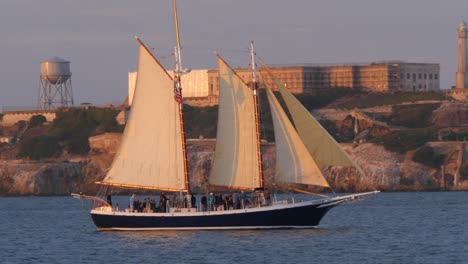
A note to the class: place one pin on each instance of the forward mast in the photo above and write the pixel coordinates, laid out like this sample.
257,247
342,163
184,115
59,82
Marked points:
178,72
254,86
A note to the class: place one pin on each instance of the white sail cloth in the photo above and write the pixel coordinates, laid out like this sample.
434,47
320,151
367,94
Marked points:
236,163
294,164
150,155
320,144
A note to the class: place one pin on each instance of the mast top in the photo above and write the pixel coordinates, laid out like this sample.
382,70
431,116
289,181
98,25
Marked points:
253,64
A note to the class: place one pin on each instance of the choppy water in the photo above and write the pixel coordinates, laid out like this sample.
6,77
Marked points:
390,228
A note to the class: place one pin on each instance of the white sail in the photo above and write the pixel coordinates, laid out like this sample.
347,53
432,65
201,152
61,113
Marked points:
236,163
294,164
150,154
321,145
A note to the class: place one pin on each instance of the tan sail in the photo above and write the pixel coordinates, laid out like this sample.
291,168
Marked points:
151,152
294,164
236,162
321,145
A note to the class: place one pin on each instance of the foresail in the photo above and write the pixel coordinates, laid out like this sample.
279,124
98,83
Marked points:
236,161
293,162
321,145
150,155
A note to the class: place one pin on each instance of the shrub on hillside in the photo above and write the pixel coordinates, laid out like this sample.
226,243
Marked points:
200,121
325,97
74,126
426,156
377,99
36,120
39,147
404,140
413,116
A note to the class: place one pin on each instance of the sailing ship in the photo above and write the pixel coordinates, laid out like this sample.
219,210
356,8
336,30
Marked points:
152,154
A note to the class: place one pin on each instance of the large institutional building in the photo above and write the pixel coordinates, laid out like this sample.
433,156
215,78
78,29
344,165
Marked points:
201,87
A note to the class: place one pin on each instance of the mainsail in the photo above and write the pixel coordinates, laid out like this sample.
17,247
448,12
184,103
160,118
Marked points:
293,162
321,145
236,163
151,152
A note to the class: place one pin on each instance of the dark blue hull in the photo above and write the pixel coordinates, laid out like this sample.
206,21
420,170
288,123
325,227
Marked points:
287,216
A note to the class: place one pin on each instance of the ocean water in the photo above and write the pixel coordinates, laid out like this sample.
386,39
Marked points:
388,228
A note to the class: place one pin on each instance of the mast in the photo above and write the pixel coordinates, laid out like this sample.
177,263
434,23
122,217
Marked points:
178,96
256,107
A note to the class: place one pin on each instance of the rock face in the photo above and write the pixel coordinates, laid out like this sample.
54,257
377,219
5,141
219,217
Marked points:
451,115
23,178
384,170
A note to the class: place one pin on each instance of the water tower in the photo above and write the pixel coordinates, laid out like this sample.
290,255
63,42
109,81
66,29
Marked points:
55,89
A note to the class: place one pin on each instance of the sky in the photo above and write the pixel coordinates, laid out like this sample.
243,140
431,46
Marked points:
96,36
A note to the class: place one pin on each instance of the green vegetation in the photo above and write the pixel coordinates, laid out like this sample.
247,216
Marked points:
73,127
325,97
36,120
200,121
464,172
69,131
1,116
40,147
426,156
413,116
404,140
378,99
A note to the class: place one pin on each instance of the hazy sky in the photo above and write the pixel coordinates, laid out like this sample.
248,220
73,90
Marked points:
97,37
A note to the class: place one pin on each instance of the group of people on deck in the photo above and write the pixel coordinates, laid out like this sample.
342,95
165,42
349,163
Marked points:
219,202
210,202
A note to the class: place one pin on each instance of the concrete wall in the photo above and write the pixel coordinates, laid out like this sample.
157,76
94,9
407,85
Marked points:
10,118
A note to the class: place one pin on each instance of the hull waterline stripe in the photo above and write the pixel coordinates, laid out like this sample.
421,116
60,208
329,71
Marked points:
204,228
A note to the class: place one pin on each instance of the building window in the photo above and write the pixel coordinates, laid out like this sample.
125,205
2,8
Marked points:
430,76
414,76
419,76
408,76
435,76
425,76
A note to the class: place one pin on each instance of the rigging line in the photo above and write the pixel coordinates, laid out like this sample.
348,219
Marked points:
215,49
261,112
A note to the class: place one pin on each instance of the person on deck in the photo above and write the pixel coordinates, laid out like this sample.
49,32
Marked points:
243,198
137,205
152,205
204,203
193,201
212,202
162,202
109,198
235,200
132,202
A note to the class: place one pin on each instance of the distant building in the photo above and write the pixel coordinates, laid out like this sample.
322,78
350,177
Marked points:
195,88
379,76
201,87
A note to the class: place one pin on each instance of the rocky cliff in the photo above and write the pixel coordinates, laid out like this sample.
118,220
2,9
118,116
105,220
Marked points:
384,170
